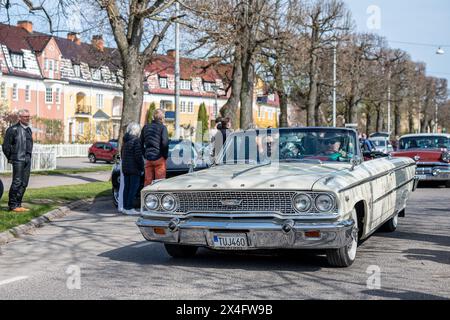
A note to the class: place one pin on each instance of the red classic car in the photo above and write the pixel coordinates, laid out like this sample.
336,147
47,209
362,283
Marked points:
431,153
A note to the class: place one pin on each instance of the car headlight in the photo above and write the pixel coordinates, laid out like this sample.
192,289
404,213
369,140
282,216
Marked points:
302,202
324,203
151,202
168,202
446,157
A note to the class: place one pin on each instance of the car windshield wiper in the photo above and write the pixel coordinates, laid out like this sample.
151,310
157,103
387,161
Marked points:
317,161
237,174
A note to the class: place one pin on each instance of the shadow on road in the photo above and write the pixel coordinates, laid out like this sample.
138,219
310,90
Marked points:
154,254
428,237
404,295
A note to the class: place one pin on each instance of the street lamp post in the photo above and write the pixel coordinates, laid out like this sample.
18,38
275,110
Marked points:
334,82
177,72
389,101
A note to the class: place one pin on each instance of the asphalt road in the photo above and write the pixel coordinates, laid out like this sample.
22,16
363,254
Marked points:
114,262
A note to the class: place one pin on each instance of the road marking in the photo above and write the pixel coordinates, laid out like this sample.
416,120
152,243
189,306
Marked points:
12,280
142,245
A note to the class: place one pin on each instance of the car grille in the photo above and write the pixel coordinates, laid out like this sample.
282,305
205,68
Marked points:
257,201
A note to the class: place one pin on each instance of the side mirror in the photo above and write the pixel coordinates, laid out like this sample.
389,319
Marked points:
356,161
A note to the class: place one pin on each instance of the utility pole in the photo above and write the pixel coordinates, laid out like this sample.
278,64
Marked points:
177,72
389,101
436,126
334,82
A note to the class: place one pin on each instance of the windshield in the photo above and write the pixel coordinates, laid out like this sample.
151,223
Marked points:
288,145
379,143
426,142
182,150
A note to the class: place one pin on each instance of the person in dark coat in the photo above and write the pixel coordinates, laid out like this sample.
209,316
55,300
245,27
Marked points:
132,167
155,146
224,130
18,149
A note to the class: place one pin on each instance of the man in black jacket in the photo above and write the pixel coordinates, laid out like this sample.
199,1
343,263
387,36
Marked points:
18,149
155,146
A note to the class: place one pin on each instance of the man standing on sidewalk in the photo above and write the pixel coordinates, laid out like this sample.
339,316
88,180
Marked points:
18,149
155,146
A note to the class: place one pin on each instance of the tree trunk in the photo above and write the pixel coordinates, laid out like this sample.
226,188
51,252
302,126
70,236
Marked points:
133,92
312,95
369,123
230,109
248,84
380,119
282,96
397,120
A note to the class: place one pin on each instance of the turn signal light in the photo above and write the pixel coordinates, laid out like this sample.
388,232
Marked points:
159,231
312,234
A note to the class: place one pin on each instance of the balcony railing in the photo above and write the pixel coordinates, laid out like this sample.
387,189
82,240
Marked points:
83,110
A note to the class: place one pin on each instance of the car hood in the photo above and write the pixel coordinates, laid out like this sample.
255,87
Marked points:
295,176
424,155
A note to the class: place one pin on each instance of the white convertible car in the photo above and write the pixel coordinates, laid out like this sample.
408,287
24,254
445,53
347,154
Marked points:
296,188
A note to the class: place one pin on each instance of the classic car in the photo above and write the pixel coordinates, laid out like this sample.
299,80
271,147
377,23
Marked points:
183,157
431,153
295,188
382,144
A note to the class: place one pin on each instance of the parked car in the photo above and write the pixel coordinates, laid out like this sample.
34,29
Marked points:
313,190
104,151
1,189
431,153
382,144
183,158
380,135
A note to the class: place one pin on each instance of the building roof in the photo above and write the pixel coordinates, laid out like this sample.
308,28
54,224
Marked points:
189,68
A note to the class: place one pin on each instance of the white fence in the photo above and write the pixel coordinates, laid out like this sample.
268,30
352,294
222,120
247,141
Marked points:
42,160
66,150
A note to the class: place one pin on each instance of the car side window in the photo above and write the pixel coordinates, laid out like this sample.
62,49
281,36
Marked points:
107,147
99,145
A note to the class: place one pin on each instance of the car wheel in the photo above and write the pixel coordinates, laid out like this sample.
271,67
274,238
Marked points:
115,194
92,158
179,251
344,257
390,225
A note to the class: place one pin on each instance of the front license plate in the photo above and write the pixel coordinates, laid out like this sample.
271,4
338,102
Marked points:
230,241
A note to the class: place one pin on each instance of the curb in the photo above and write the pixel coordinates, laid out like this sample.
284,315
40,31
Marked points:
39,222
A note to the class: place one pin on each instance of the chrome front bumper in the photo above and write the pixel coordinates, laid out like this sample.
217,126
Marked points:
437,173
262,233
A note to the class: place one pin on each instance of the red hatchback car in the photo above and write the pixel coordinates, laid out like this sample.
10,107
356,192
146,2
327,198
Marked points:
102,151
431,153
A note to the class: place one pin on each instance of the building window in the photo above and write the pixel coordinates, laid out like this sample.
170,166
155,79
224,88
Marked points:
48,95
3,90
81,128
97,74
58,95
17,60
185,85
51,65
163,83
190,107
183,106
209,86
77,70
27,93
15,92
99,101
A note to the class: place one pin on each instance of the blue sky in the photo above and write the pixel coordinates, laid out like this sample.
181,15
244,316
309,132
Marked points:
416,21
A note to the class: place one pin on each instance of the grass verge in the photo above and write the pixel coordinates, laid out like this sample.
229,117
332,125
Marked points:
43,200
59,172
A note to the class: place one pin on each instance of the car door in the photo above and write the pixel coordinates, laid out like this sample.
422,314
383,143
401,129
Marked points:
100,151
108,152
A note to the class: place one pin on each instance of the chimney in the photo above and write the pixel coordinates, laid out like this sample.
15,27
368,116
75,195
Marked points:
171,53
27,25
73,36
98,43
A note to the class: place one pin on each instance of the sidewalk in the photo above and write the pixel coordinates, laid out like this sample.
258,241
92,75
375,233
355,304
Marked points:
37,181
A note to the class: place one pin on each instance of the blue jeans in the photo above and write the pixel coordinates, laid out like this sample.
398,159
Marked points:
132,185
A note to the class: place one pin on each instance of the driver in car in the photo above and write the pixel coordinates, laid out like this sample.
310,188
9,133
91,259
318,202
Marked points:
334,151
